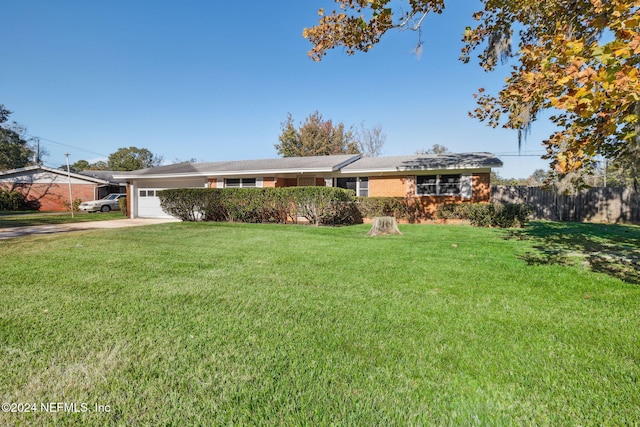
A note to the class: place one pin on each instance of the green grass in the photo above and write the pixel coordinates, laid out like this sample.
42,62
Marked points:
22,219
238,324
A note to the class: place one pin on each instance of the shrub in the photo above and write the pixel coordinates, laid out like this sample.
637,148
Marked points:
319,205
11,200
512,214
487,214
122,203
183,203
371,207
324,205
75,206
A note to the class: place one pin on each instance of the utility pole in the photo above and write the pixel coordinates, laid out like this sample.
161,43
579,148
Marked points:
69,180
38,162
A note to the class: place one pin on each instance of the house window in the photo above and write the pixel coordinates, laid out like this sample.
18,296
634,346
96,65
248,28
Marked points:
240,182
359,185
306,181
147,193
438,185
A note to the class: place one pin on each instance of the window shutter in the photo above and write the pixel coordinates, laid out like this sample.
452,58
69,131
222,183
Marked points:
466,186
259,182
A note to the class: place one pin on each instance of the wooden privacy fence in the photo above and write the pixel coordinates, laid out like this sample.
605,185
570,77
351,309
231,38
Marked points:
599,204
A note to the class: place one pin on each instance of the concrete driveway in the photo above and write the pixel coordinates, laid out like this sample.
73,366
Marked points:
8,233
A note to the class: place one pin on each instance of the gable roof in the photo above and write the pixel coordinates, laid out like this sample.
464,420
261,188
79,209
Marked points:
100,174
424,162
344,163
246,167
16,173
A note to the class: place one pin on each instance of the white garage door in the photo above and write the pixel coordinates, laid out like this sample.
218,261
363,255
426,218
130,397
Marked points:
149,204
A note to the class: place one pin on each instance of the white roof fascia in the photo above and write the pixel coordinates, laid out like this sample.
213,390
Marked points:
268,172
55,171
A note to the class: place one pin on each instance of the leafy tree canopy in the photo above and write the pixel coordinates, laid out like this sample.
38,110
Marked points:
82,165
315,137
15,151
133,158
577,57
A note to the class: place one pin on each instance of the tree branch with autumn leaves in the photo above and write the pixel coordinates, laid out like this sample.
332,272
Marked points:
578,58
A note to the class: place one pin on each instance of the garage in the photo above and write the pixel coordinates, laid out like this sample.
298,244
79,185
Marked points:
149,204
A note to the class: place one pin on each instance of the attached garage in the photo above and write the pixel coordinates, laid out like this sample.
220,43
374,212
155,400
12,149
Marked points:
142,194
149,203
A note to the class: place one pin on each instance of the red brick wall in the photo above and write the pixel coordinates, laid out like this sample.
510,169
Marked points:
388,186
53,196
425,206
482,187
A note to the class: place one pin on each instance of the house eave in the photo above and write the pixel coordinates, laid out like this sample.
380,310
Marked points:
54,171
265,172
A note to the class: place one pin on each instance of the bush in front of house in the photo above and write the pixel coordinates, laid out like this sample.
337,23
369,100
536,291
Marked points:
11,200
371,207
122,204
253,205
319,205
324,205
183,203
501,215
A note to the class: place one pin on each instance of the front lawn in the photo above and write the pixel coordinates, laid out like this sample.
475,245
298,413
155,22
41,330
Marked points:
239,324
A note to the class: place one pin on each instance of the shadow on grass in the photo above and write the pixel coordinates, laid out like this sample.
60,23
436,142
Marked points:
603,248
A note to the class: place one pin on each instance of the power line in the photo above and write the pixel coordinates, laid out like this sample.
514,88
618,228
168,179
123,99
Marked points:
68,145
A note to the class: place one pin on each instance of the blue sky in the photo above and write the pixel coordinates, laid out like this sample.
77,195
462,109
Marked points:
215,80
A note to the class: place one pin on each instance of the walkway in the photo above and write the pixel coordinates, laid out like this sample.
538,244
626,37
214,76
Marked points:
8,233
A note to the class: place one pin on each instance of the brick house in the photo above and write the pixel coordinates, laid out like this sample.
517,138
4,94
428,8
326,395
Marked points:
428,180
50,187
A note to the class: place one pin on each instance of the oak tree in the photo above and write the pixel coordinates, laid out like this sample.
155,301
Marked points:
133,158
578,58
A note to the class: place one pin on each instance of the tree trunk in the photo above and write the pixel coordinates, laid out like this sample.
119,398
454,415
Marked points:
384,225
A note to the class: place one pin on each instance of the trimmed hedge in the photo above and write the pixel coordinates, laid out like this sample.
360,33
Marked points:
371,207
488,214
319,205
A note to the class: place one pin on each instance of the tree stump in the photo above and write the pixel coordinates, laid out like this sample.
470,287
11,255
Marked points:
384,225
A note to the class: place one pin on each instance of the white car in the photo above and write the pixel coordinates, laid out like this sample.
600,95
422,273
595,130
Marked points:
106,204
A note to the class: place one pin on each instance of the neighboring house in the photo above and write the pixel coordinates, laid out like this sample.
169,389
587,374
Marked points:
50,187
428,179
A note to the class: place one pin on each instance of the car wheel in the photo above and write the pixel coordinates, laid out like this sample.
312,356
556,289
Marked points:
105,208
